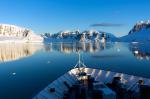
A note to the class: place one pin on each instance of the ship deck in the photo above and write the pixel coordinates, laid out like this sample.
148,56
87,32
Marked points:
88,83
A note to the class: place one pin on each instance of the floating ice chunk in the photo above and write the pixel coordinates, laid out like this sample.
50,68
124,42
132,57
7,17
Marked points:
13,73
134,42
118,49
48,62
136,52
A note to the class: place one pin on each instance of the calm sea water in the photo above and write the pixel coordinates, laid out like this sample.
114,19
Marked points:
25,69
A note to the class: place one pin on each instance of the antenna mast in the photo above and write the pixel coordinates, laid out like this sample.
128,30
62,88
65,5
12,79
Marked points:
79,64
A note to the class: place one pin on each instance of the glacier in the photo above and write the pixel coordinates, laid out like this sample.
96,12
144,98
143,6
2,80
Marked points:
12,33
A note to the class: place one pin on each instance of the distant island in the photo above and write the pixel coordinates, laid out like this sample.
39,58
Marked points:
12,33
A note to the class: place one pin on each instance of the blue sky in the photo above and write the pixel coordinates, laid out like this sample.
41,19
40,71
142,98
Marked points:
56,15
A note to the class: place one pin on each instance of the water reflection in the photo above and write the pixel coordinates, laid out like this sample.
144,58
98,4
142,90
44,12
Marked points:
76,46
12,51
141,50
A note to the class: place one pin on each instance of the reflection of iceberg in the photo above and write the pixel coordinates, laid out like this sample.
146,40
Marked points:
10,51
141,50
76,46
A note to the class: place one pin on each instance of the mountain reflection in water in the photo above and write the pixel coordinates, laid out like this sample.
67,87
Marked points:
141,50
78,46
12,51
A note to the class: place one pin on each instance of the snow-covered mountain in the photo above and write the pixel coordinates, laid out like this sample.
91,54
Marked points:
84,36
12,33
139,33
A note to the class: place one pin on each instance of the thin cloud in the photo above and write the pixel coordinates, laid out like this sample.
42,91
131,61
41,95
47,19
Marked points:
106,25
